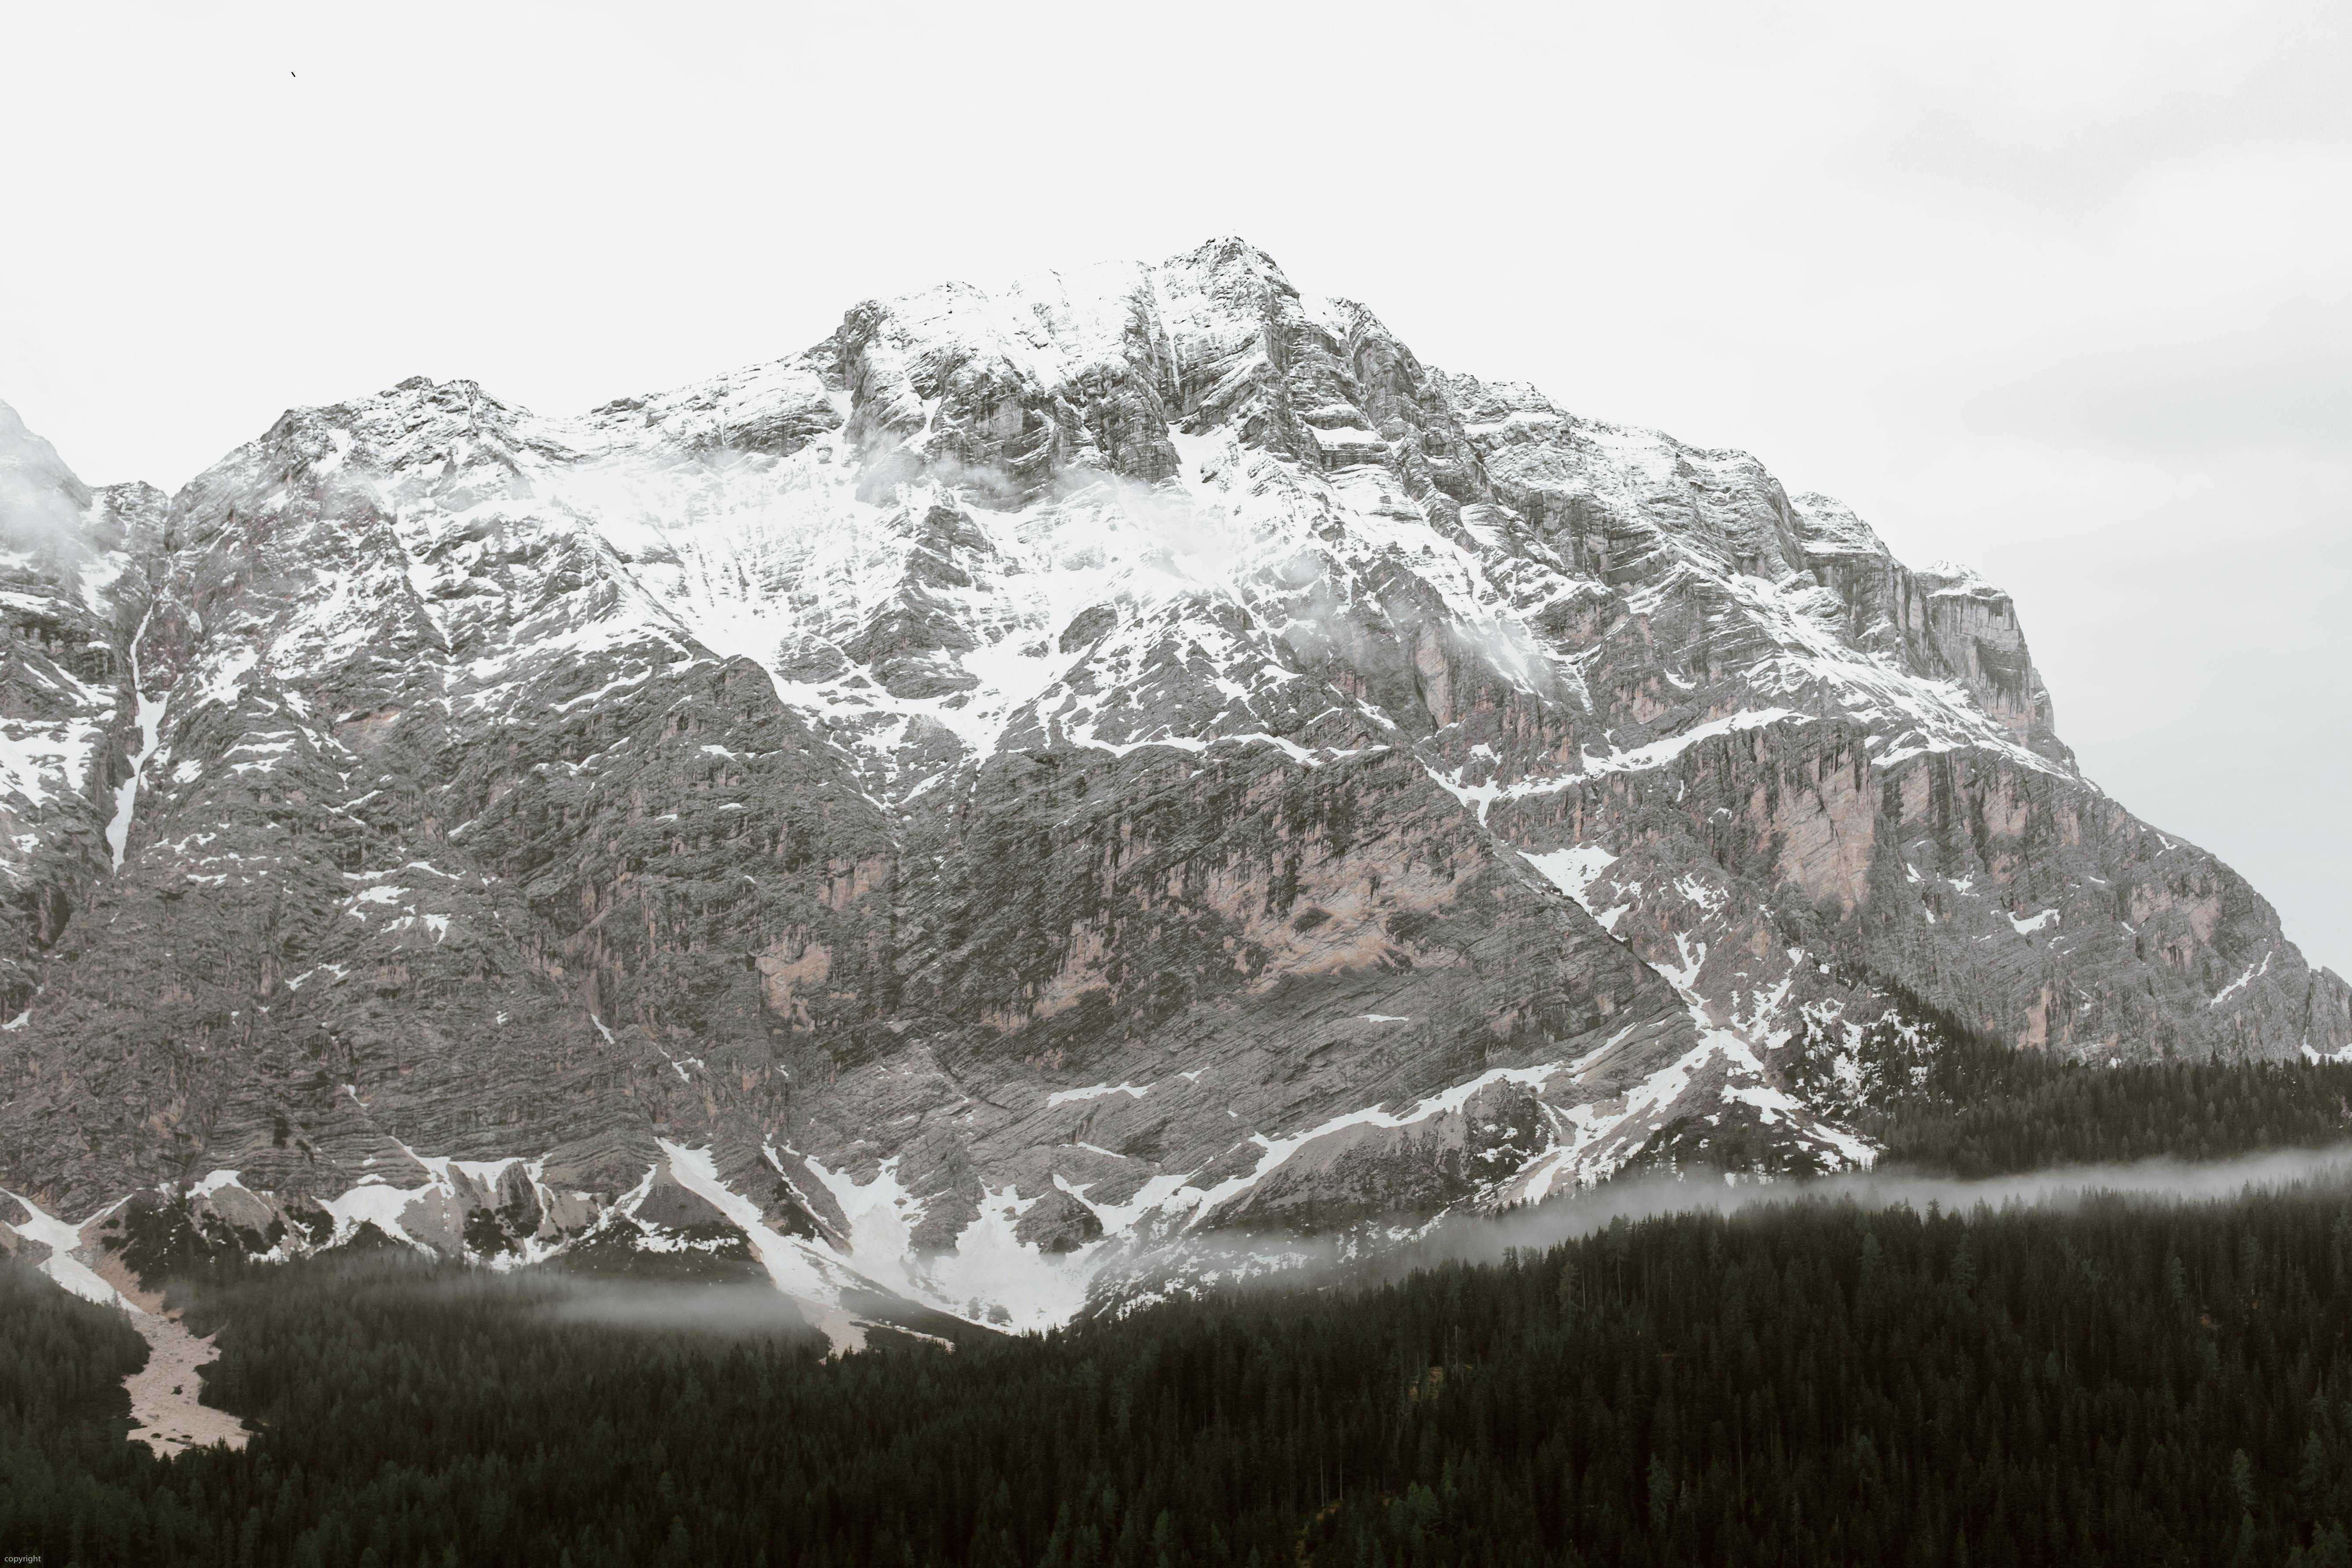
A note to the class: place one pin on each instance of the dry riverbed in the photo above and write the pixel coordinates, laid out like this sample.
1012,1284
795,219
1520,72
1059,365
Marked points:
164,1414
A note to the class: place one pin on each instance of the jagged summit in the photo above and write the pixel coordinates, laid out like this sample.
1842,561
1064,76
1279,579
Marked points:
1032,781
30,467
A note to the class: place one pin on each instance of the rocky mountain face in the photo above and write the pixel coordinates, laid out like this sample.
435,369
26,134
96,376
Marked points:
1033,779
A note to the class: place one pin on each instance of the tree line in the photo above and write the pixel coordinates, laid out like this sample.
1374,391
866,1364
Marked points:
1940,1096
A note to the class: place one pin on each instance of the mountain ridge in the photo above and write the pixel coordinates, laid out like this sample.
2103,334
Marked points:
1033,778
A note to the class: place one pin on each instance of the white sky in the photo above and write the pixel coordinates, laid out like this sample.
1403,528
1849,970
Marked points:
2061,291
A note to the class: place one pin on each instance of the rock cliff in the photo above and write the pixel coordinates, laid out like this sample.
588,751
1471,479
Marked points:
1032,779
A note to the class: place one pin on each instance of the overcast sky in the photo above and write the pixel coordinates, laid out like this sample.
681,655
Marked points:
2063,293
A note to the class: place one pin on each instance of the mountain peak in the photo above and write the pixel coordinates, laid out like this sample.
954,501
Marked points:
1033,781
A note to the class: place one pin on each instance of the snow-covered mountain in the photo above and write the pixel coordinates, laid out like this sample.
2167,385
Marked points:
1035,778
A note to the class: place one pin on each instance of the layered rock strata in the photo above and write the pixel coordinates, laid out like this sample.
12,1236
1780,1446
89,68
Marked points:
1034,777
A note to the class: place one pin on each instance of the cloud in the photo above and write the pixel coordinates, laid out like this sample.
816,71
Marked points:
1283,1262
43,507
750,1308
2066,1187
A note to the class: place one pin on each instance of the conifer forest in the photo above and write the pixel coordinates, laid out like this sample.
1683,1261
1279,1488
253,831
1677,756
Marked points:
2113,1380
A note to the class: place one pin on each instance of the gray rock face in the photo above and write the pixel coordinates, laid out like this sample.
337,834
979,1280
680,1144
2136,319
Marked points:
1032,779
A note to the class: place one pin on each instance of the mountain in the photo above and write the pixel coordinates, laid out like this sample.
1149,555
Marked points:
1036,781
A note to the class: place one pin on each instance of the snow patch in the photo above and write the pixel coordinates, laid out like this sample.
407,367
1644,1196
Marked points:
1069,1096
60,1265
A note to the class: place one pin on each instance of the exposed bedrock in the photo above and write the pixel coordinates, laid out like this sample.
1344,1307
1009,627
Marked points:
1040,777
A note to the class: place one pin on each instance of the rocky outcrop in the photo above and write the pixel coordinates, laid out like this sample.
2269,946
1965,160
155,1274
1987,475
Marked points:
1038,777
